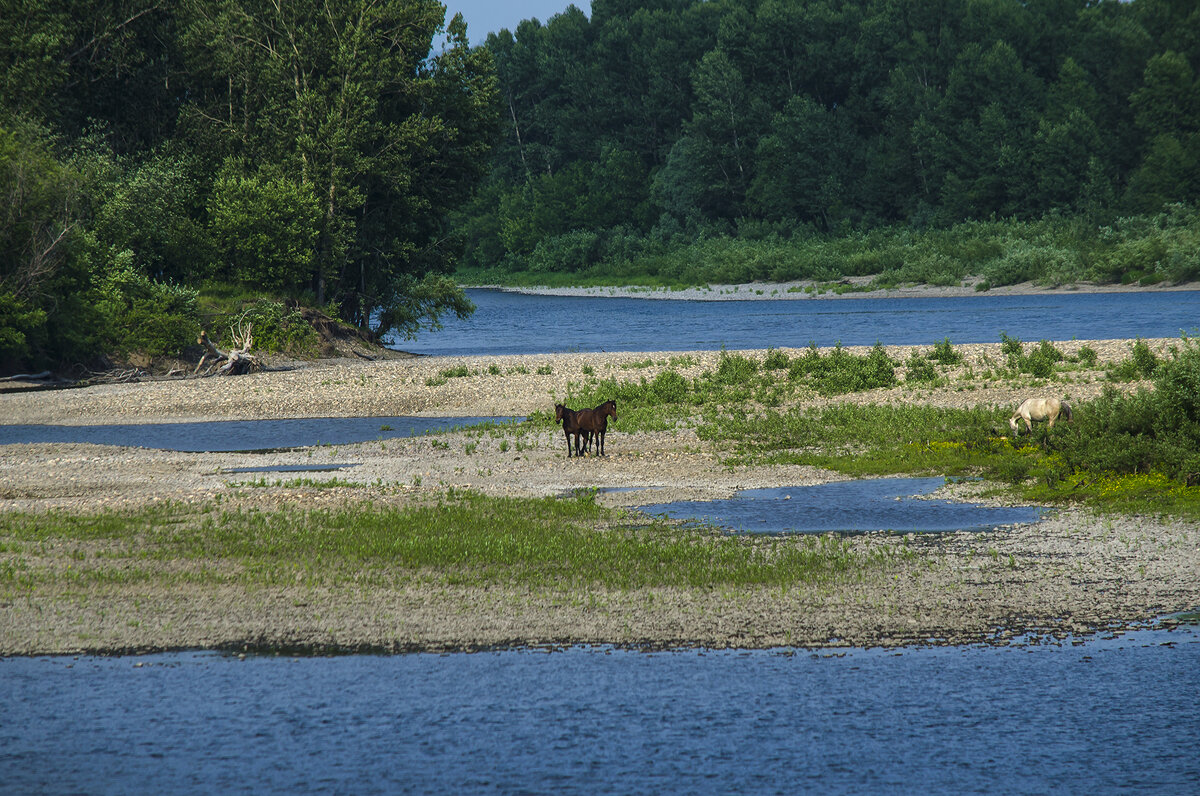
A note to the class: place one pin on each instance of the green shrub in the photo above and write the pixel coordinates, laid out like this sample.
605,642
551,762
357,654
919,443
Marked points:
735,369
945,353
1148,431
264,230
669,387
776,360
918,368
842,372
1039,362
1141,364
156,318
1011,348
1143,358
280,329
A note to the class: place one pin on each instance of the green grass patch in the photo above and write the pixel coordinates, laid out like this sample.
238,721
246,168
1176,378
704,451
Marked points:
464,538
670,398
866,440
1110,459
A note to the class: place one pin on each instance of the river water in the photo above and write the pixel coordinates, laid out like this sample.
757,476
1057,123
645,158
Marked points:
1109,715
1105,714
513,323
856,506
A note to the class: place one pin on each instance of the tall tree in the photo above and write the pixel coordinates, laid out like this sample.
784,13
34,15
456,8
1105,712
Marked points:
347,101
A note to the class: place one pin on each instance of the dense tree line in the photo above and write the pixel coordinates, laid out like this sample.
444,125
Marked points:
654,125
307,149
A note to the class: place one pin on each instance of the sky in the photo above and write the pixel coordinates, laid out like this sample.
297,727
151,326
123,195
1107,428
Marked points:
488,16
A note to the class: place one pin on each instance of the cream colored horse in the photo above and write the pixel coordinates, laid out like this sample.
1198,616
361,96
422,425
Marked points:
1039,409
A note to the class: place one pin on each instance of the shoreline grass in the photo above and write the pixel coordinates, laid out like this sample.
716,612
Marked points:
464,539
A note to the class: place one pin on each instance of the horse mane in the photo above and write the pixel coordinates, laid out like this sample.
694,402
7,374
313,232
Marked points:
1068,415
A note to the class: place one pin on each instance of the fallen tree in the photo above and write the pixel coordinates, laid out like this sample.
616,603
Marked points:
237,361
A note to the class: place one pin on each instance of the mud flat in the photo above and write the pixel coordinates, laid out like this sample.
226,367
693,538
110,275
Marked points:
1071,573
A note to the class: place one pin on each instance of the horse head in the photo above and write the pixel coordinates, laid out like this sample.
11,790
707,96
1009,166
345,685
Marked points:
558,413
609,408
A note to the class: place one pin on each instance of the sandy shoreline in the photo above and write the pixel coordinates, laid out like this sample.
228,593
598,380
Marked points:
1071,573
801,290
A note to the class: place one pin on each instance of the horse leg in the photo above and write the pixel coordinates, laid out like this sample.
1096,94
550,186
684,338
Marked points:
567,434
600,447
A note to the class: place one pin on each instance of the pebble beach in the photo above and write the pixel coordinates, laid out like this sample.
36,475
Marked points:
1072,573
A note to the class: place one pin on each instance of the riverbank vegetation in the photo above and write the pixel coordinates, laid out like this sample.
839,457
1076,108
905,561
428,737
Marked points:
155,157
1144,250
461,539
680,142
1128,451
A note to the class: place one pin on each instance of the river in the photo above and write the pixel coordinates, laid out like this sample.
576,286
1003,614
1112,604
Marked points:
1113,714
1104,714
515,323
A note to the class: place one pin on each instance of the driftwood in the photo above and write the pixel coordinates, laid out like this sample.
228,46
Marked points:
43,376
237,361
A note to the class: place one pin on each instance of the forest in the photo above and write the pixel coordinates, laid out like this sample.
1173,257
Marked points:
173,165
684,142
169,166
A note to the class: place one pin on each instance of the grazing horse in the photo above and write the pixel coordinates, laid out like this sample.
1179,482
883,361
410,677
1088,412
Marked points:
595,424
1031,409
570,423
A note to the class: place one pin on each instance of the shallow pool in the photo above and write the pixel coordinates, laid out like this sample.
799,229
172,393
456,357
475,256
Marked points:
876,504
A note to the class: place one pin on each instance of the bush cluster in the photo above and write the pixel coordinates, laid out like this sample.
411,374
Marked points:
1148,431
1039,361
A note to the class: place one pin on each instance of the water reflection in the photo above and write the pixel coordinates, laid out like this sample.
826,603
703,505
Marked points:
244,435
880,504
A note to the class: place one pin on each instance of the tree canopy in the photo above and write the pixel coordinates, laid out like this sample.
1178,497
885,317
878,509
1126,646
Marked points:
831,116
298,147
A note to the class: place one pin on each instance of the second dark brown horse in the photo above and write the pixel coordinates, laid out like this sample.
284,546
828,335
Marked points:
594,423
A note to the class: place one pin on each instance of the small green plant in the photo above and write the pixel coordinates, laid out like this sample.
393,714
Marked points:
945,353
776,360
457,372
919,369
1087,356
1141,364
1144,359
545,370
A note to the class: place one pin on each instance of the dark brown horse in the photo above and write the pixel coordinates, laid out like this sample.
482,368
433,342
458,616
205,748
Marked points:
595,423
570,423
